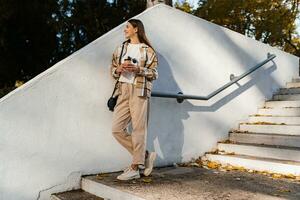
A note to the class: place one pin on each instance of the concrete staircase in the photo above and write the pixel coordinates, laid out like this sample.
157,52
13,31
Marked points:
269,140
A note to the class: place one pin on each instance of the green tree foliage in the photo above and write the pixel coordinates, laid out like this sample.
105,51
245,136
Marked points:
78,22
269,21
184,6
35,34
26,38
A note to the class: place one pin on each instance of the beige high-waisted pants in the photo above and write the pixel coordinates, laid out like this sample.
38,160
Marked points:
128,107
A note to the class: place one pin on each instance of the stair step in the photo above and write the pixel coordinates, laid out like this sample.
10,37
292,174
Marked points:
293,84
276,129
107,192
275,120
286,97
266,151
288,91
74,195
296,79
268,139
259,164
279,111
282,104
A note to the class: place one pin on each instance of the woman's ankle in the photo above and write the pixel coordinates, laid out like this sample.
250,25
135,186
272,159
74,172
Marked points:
134,166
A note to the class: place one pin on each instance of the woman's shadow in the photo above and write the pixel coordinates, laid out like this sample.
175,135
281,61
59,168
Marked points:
166,128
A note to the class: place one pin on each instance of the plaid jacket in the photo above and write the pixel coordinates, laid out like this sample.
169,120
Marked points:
148,73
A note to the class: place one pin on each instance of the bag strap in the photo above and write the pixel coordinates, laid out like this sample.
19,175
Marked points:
119,64
145,64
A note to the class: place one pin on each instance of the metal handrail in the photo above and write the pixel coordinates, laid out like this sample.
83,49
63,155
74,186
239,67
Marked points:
233,79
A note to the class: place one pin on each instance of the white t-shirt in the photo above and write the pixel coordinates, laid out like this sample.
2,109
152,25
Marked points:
133,50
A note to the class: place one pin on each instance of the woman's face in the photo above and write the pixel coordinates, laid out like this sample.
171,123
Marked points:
129,30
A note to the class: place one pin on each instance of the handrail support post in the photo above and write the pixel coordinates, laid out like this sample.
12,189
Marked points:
269,55
179,99
232,77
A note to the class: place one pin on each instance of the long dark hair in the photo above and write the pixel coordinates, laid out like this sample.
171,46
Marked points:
141,31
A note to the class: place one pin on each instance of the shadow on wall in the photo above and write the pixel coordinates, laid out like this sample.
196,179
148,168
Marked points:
238,53
173,131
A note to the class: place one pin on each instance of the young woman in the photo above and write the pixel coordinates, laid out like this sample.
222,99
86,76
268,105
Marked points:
135,72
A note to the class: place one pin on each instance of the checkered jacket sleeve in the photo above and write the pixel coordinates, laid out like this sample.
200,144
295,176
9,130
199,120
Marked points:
150,70
114,63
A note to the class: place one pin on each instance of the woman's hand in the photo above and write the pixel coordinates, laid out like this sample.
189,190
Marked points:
132,68
121,68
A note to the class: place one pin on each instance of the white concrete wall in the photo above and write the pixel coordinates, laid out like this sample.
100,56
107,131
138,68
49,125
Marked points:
57,127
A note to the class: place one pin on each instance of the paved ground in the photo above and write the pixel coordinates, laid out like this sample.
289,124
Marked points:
194,183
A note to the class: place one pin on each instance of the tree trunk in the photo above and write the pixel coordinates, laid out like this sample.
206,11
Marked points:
151,3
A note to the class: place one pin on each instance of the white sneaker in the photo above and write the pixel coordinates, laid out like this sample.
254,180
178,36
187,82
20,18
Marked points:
129,174
126,169
141,167
149,163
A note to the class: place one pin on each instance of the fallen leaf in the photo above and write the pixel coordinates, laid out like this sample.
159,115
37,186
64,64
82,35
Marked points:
213,165
290,176
276,175
195,164
147,180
